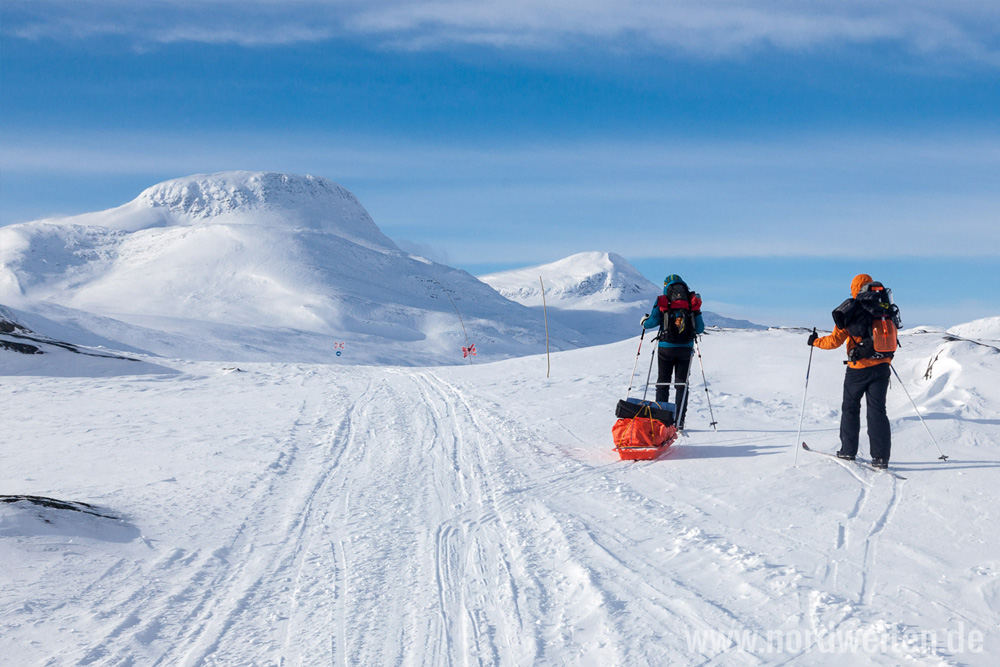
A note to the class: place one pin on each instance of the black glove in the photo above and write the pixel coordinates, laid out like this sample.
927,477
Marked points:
812,337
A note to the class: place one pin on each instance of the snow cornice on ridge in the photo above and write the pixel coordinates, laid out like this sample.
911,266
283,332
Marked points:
203,196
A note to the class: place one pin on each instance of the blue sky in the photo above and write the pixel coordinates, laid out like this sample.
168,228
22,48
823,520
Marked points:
765,151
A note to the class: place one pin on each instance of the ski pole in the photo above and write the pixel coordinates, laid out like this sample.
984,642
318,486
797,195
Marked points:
631,377
803,413
635,365
942,457
711,412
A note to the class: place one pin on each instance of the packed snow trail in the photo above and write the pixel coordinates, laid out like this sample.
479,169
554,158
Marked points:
296,514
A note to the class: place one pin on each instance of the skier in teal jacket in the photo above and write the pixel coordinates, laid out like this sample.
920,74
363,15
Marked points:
677,314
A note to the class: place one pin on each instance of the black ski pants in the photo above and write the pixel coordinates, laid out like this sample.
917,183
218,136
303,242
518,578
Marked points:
872,383
676,362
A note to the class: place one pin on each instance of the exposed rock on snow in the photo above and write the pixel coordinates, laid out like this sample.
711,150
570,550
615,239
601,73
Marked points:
9,330
31,516
24,334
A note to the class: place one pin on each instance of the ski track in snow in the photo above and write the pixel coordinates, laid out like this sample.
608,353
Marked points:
376,516
218,589
851,576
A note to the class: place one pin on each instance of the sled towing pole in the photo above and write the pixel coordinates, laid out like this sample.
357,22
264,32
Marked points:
682,408
714,423
942,457
631,378
649,373
803,413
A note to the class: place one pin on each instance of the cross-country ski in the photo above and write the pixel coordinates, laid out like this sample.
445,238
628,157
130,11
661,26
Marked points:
860,462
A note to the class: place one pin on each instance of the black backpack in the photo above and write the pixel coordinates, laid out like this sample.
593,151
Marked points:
873,318
678,306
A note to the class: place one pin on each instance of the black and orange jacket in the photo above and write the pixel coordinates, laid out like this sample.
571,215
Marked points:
840,336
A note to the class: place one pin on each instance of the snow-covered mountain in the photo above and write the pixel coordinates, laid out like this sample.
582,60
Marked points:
598,293
253,265
585,281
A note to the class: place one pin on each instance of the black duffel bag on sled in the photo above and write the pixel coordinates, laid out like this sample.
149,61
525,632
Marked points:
635,407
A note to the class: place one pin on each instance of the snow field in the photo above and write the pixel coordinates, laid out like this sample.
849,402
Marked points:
288,514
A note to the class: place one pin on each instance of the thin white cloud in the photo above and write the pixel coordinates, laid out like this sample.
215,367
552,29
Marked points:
715,28
795,196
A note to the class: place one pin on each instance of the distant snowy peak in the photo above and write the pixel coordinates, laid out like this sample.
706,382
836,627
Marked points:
584,278
597,292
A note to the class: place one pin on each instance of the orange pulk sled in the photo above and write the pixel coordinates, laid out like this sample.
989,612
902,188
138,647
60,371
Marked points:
645,429
647,433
